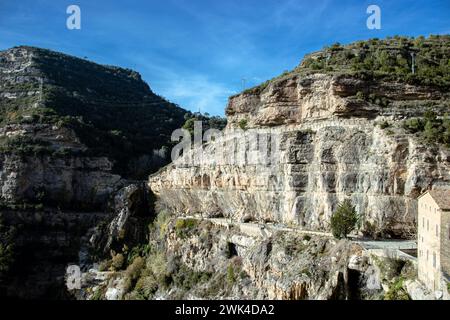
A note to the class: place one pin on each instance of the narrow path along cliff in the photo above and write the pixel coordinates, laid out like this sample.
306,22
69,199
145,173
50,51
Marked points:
267,230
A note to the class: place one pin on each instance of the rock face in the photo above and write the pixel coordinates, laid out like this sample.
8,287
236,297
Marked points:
131,214
86,183
74,136
45,242
309,143
281,267
212,260
297,99
68,136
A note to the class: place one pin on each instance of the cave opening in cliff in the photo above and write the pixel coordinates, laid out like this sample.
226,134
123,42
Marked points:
232,250
353,284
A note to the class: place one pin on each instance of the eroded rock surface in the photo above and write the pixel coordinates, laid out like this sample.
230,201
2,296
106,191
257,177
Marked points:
328,146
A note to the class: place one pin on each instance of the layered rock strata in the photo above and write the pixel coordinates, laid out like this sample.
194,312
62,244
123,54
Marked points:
308,143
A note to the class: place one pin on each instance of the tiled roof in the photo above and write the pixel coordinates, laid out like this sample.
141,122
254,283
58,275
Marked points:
442,198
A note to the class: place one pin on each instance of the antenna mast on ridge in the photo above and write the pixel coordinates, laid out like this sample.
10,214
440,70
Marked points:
243,83
413,66
41,82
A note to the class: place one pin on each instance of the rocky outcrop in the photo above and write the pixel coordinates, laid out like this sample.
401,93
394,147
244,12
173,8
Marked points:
282,267
75,136
85,183
66,129
229,262
131,212
308,144
45,243
297,99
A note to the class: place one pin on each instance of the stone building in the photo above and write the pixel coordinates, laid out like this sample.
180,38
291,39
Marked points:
433,238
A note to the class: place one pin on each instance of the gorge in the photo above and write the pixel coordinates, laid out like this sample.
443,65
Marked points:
86,177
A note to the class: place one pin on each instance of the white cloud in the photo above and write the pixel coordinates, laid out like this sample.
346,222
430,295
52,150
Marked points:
198,93
182,85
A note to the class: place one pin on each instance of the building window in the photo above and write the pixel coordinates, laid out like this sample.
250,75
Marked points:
437,233
427,255
434,259
423,223
428,225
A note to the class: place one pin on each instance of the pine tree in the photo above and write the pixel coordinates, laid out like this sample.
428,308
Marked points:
344,219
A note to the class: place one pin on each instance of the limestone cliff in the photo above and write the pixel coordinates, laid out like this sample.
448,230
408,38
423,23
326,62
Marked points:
73,136
298,145
71,129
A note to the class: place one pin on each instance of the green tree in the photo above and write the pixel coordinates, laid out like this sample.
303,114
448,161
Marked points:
344,219
431,132
446,126
208,122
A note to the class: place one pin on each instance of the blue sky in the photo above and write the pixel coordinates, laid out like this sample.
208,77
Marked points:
196,52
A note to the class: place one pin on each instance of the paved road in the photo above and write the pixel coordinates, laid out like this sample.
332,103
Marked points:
266,230
388,244
267,226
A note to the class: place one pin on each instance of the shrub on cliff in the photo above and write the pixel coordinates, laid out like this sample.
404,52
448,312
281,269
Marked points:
414,125
344,219
117,262
147,286
134,269
231,277
183,226
431,128
243,124
396,291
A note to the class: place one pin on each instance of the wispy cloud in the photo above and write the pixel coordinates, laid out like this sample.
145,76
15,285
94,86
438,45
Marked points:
198,93
183,85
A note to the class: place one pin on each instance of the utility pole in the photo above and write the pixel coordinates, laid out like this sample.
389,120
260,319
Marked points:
413,66
328,58
41,82
243,83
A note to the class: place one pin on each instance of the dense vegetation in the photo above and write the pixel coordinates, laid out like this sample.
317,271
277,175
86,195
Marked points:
208,122
388,59
430,128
